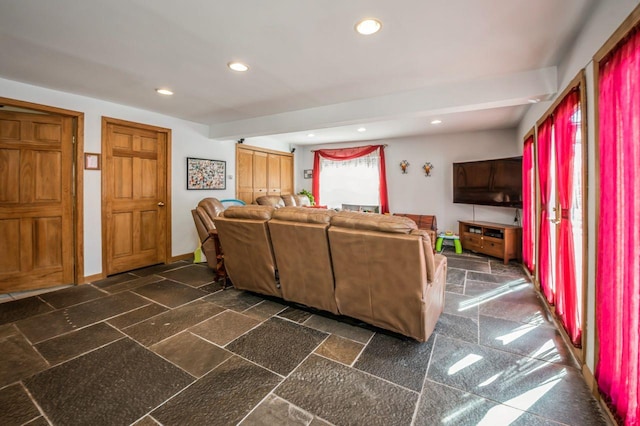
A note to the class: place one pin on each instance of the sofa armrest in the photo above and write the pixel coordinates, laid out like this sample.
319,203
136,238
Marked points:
432,236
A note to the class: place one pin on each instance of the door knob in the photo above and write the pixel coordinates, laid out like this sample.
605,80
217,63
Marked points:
160,204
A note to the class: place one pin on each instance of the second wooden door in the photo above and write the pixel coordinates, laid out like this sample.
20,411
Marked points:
134,196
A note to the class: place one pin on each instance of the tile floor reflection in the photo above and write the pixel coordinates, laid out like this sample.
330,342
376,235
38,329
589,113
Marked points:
166,345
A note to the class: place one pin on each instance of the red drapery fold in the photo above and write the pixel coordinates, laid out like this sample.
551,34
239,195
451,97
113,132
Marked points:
528,205
568,307
384,198
545,274
344,154
618,255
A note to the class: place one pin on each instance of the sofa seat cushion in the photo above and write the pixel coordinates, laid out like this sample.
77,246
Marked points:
373,222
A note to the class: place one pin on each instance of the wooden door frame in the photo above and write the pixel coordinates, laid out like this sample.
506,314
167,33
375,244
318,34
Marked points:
77,182
167,132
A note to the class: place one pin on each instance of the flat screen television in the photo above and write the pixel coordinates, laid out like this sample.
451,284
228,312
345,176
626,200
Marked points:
490,182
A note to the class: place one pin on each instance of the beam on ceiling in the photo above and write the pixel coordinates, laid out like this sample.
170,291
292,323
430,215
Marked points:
508,90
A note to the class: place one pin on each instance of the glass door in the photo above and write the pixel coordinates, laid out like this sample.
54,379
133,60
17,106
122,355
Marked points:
561,176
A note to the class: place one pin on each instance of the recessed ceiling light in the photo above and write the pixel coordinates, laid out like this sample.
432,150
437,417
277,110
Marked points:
164,92
436,121
362,129
534,100
310,135
238,66
368,26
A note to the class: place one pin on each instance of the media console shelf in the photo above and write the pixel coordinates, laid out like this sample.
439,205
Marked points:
493,239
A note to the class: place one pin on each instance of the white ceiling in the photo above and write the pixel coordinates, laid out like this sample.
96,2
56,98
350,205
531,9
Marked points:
472,63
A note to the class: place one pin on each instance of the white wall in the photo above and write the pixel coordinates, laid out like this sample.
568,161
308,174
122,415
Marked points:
415,193
604,20
188,140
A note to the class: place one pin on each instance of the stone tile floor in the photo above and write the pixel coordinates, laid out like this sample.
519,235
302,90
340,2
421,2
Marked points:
165,345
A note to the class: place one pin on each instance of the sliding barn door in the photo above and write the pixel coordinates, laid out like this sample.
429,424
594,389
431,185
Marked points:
36,201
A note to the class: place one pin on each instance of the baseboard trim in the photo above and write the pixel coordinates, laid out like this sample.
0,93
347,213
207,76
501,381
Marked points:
96,277
186,256
91,278
593,386
591,380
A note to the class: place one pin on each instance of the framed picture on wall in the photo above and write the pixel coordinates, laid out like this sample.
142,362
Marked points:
91,161
206,174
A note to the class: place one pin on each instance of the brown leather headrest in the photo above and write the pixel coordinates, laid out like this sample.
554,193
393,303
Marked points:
206,219
304,214
249,212
270,200
212,206
373,222
288,199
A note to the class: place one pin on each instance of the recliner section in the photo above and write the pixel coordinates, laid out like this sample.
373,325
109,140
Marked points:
301,247
386,273
248,253
376,268
203,216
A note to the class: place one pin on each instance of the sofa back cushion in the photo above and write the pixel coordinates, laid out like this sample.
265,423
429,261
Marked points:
304,215
248,253
274,201
289,200
249,212
302,200
301,248
373,222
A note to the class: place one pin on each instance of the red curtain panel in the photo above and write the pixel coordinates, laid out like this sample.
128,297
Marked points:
545,274
618,253
349,154
528,205
565,127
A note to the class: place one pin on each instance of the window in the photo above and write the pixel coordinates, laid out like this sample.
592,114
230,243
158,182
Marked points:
346,183
354,181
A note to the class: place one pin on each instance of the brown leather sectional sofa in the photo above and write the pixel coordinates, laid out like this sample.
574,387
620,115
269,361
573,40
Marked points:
376,268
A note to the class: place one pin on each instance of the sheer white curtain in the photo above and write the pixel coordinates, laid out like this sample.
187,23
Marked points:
354,181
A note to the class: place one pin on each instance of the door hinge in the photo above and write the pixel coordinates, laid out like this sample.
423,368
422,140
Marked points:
73,139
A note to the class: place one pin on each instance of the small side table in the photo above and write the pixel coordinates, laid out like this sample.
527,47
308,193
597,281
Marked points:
456,242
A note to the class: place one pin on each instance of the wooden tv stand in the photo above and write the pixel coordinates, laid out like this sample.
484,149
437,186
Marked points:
493,239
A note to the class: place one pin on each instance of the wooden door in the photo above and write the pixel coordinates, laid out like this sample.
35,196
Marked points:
273,174
134,196
36,201
244,175
286,174
260,183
